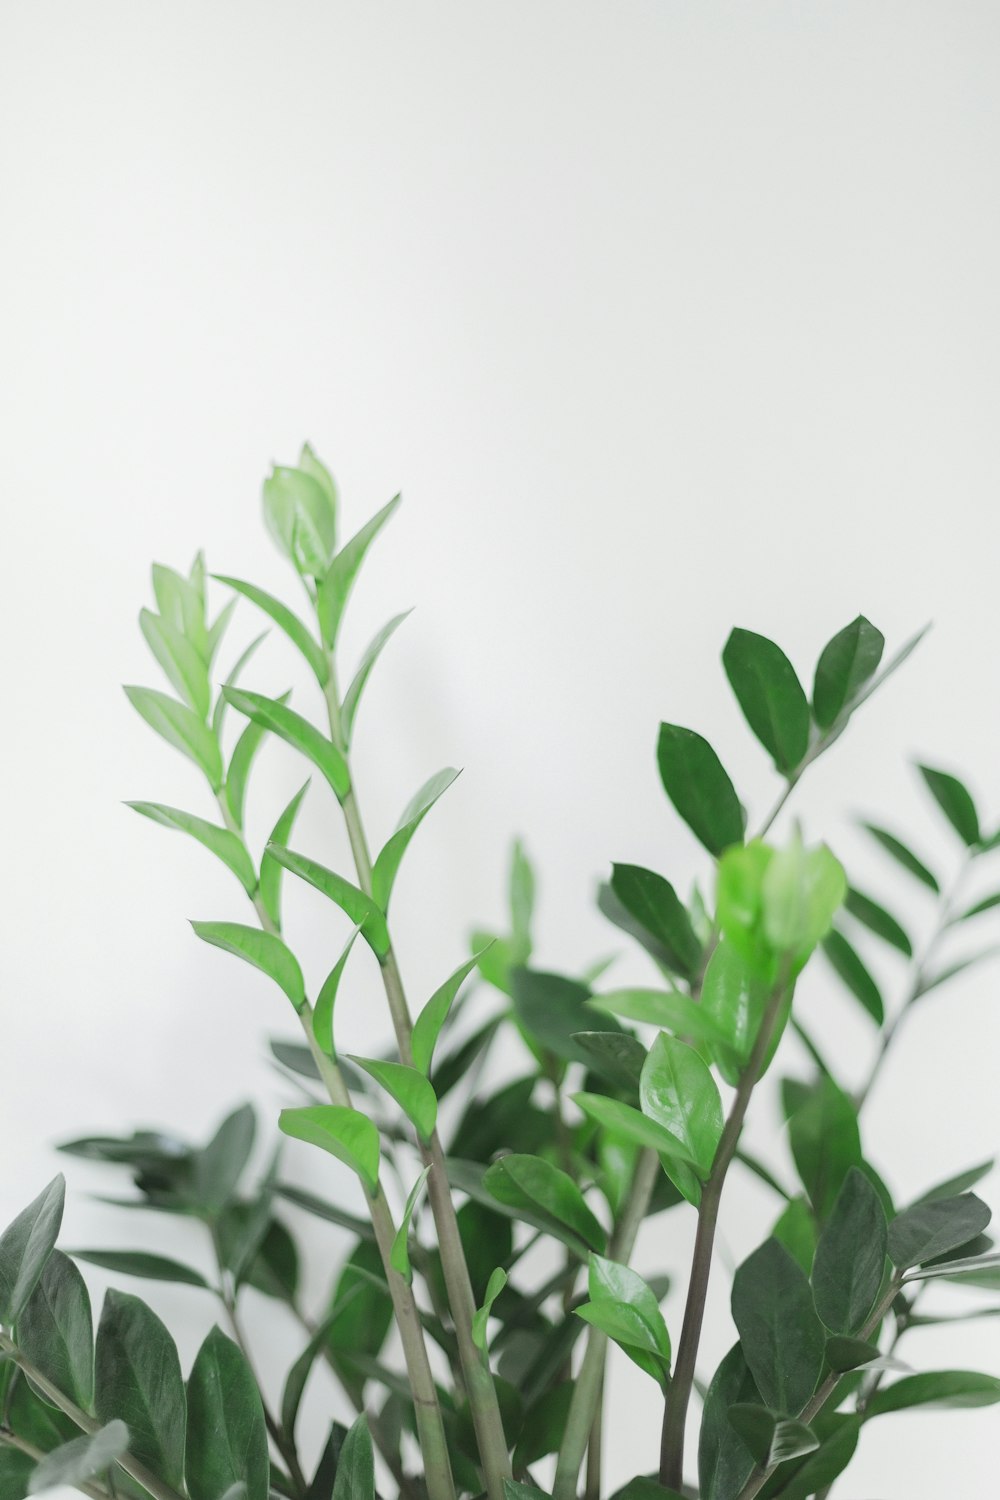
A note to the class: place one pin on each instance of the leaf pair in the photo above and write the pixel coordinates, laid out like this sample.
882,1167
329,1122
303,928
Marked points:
626,1310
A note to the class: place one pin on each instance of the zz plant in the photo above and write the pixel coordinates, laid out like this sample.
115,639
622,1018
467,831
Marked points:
493,1223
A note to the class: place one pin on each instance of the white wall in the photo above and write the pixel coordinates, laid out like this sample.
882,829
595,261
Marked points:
664,317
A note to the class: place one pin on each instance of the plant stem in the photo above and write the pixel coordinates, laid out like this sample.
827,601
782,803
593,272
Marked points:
586,1398
679,1390
10,1439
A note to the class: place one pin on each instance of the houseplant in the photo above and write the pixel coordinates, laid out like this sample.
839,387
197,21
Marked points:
632,1104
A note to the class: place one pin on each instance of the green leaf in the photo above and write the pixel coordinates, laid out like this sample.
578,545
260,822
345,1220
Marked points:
955,801
226,1434
240,763
846,664
26,1245
626,1308
542,1430
520,1181
310,463
969,1270
410,1089
724,1461
698,786
181,727
143,1264
344,1132
56,1332
387,864
878,920
80,1459
322,1021
796,1230
851,969
771,1439
654,904
138,1373
480,1320
184,667
782,1338
270,714
615,1055
301,518
959,1183
181,604
825,1142
338,580
15,1472
839,1438
219,1167
359,906
734,1000
217,630
801,892
286,620
632,1125
522,903
903,855
270,870
988,903
349,707
932,1229
942,1388
219,711
360,1316
552,1009
427,1026
850,1257
669,1009
399,1258
677,1091
219,841
356,1469
261,949
770,695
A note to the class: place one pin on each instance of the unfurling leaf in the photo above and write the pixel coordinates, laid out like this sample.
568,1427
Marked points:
261,949
696,783
346,1133
399,1259
846,664
301,518
770,695
185,668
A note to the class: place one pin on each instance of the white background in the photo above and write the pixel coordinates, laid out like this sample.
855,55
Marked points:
664,317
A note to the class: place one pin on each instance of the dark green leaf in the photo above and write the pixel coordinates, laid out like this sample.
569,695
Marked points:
337,582
359,906
932,1229
988,903
796,1230
846,663
138,1377
345,1133
185,668
56,1332
948,1388
142,1263
654,904
616,1056
724,1461
373,650
668,1009
955,801
770,695
825,1143
520,1181
219,1167
261,949
226,846
677,1091
410,1089
181,727
331,1212
26,1245
226,1435
958,1184
270,870
427,1026
286,620
356,1469
698,786
15,1471
80,1459
878,920
552,1009
844,1354
903,855
771,1439
782,1338
361,1315
852,971
271,714
544,1425
838,1433
967,1269
850,1257
387,864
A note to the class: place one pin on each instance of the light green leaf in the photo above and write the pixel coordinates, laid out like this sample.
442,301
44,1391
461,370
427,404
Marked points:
878,920
80,1459
286,620
770,695
625,1308
181,727
782,1338
399,1258
631,1124
955,801
929,1230
387,864
903,855
356,1466
669,1009
850,1257
26,1245
217,630
300,518
480,1319
801,891
226,1432
270,870
522,903
652,902
677,1091
338,580
733,1000
138,1372
847,963
410,1089
181,604
184,667
143,1264
349,707
55,1330
262,949
943,1388
360,907
846,664
427,1026
240,762
219,712
344,1132
322,1021
696,783
519,1180
296,731
226,846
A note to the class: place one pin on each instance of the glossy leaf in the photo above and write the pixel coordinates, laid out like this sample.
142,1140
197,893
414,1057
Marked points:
850,1257
632,1125
226,1434
734,1000
240,764
286,620
359,906
181,727
932,1229
322,1021
851,969
801,891
903,855
261,949
518,1181
399,1258
825,1142
770,695
80,1459
55,1330
943,1388
226,846
427,1027
387,864
878,920
677,1091
782,1338
270,870
697,784
338,580
138,1374
144,1264
270,714
300,518
410,1089
652,902
846,664
344,1132
26,1245
627,1310
480,1320
356,1467
184,667
955,801
371,654
668,1009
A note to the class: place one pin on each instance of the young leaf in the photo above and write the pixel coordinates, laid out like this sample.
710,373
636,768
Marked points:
349,707
932,1229
624,1307
825,1142
520,1181
181,727
338,580
144,1264
399,1258
270,870
240,763
955,801
80,1459
270,714
326,1000
632,1125
226,1434
800,892
286,620
219,711
262,949
220,1165
782,1338
850,1257
770,695
26,1245
846,664
55,1330
356,1467
138,1373
360,907
344,1132
184,667
668,1009
410,1089
903,855
387,864
677,1091
724,1461
654,904
481,1317
849,966
217,630
878,920
180,602
698,786
301,518
946,1388
522,903
427,1026
226,846
733,1000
